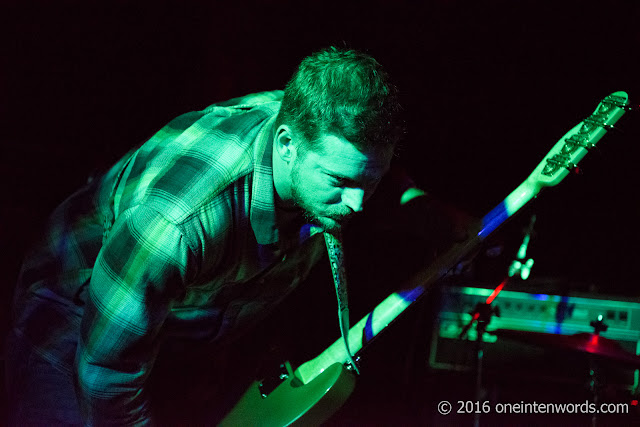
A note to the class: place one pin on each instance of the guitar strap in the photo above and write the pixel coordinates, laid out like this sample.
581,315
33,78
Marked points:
336,259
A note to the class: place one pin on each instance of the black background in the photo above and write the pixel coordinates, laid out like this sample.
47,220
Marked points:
487,87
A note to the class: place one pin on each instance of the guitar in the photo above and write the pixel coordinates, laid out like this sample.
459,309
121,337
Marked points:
314,391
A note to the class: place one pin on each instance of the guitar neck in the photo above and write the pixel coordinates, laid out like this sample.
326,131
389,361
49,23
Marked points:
555,166
395,304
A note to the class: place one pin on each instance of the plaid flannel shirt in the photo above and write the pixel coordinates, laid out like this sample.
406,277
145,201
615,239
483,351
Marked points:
179,238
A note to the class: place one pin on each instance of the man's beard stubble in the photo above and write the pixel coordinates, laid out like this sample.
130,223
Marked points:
339,218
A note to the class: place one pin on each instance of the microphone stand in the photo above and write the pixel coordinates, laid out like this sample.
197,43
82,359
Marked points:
483,312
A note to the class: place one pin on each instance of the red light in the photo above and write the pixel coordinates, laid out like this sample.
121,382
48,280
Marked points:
634,402
496,291
592,345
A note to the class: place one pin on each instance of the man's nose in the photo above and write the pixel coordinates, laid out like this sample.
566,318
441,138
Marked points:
353,198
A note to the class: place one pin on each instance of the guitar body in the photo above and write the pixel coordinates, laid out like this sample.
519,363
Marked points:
294,403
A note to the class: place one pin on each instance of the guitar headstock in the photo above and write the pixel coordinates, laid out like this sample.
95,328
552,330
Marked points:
575,144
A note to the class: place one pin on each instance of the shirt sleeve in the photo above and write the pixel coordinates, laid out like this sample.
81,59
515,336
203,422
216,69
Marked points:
142,267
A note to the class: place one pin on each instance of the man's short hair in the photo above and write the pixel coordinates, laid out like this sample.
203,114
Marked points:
342,92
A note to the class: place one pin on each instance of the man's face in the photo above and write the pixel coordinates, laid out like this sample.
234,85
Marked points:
332,180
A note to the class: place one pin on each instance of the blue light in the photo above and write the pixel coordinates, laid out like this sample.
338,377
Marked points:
540,297
493,220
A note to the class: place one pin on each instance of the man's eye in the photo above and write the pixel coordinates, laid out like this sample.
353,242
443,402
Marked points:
338,182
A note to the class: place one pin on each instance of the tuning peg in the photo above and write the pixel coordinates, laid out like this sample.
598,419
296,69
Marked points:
576,141
592,122
612,127
619,102
560,161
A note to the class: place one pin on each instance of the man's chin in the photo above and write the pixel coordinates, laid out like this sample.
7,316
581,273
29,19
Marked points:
329,225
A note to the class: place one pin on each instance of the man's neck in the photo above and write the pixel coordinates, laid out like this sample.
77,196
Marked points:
286,212
281,180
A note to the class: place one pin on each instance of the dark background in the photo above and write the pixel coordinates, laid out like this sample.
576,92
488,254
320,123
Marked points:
487,86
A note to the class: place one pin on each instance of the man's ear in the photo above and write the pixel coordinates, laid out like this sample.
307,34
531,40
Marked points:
284,145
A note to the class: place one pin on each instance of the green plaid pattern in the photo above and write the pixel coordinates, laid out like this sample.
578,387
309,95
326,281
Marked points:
178,239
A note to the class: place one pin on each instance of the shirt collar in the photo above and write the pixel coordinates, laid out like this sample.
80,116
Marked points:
263,210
